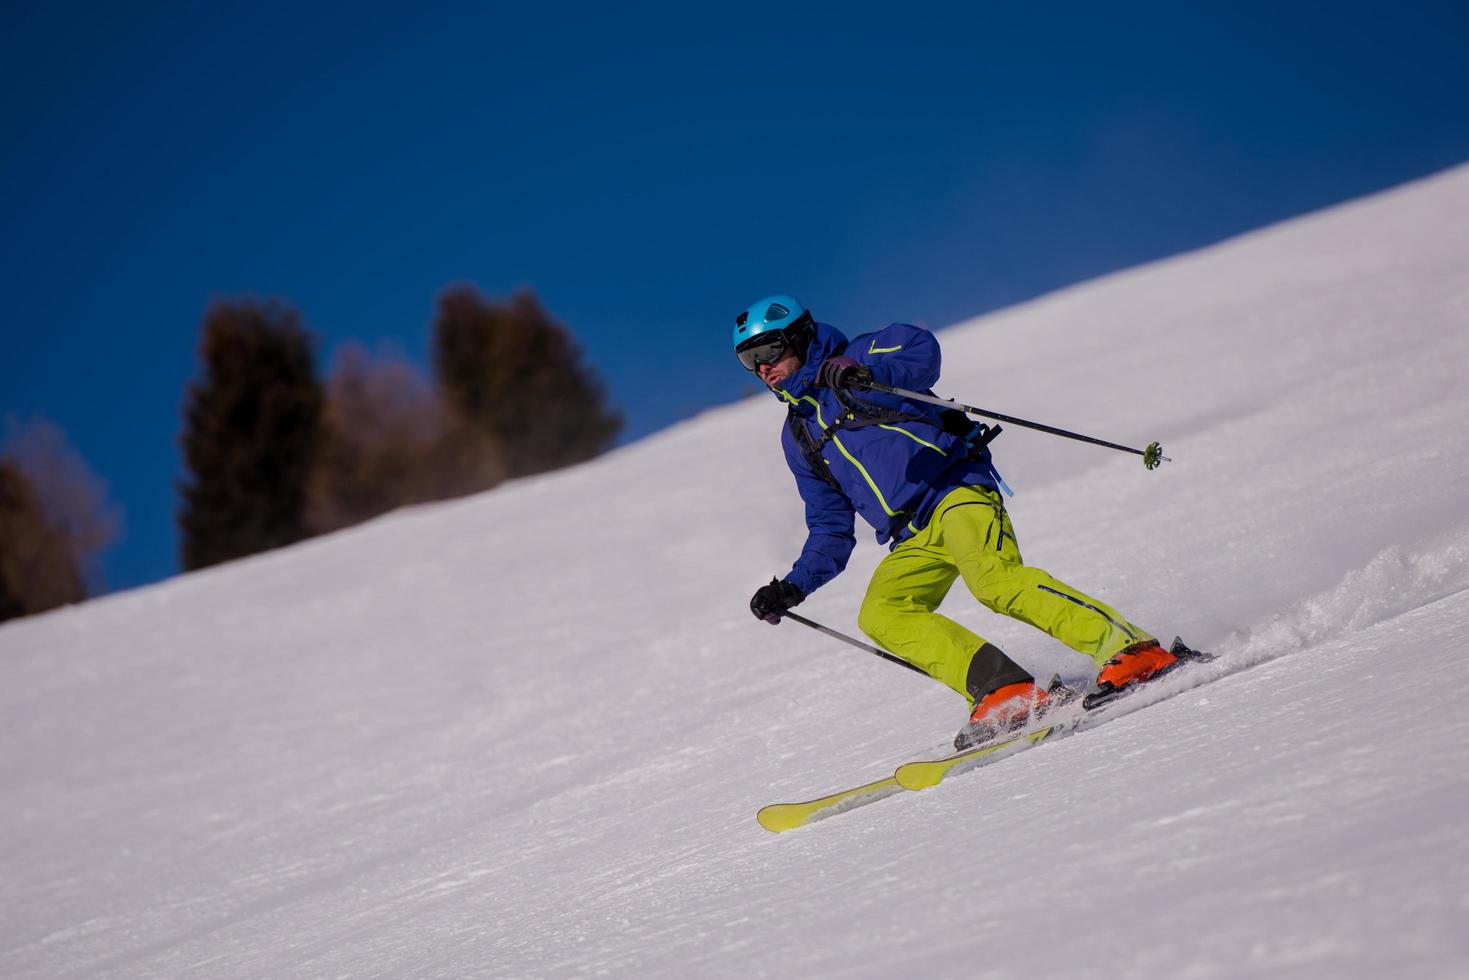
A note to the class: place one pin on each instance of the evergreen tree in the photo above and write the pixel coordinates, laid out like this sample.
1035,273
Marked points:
251,430
517,375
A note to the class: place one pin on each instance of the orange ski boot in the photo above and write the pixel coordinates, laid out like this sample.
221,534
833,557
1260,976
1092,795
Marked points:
1002,711
1143,661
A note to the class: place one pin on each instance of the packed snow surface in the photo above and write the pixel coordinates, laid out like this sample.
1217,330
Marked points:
525,734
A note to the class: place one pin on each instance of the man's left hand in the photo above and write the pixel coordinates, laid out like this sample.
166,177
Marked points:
771,602
842,372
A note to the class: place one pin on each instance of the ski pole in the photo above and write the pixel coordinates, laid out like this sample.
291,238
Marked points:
854,642
1152,455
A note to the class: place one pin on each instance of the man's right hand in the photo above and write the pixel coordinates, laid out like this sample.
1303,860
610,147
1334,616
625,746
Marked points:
840,372
770,602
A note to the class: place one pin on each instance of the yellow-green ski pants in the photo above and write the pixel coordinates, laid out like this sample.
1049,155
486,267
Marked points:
970,537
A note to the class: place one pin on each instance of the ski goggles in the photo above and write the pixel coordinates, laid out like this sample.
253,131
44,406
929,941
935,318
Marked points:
764,349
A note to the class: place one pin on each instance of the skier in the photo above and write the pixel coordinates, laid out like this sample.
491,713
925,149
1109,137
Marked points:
923,478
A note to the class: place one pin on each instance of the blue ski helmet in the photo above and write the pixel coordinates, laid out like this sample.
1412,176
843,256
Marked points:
782,315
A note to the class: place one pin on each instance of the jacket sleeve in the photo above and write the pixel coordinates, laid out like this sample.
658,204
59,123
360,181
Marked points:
829,525
900,355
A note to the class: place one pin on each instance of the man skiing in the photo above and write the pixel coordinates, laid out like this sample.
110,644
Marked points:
923,478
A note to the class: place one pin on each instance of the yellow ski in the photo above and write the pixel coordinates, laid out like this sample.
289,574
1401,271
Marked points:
922,775
785,816
915,775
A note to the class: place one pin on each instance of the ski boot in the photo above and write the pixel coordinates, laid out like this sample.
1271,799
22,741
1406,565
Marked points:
1142,662
1010,710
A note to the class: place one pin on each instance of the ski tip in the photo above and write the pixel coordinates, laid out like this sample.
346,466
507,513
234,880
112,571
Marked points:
926,774
918,776
780,817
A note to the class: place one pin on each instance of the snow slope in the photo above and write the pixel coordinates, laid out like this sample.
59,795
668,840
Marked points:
525,734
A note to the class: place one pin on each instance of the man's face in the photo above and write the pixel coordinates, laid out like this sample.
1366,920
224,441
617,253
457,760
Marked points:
775,375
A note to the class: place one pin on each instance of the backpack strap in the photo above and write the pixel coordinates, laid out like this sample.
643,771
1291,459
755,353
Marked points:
810,447
860,414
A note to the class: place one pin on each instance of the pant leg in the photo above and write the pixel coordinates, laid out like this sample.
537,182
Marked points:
974,531
898,613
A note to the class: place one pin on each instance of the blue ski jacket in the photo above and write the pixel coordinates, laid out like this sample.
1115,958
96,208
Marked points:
887,458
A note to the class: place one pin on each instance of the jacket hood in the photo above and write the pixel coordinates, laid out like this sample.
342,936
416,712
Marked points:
828,341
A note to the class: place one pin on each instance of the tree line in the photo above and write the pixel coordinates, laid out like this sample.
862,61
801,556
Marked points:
275,453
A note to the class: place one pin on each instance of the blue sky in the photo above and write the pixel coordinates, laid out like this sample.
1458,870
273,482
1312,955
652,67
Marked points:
647,170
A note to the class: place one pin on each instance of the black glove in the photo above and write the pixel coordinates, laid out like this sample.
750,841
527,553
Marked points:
771,601
841,372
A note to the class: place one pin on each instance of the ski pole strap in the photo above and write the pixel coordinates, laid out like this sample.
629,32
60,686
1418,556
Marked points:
1001,481
1152,455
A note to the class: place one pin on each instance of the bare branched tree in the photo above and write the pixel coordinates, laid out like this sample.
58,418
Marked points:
55,520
